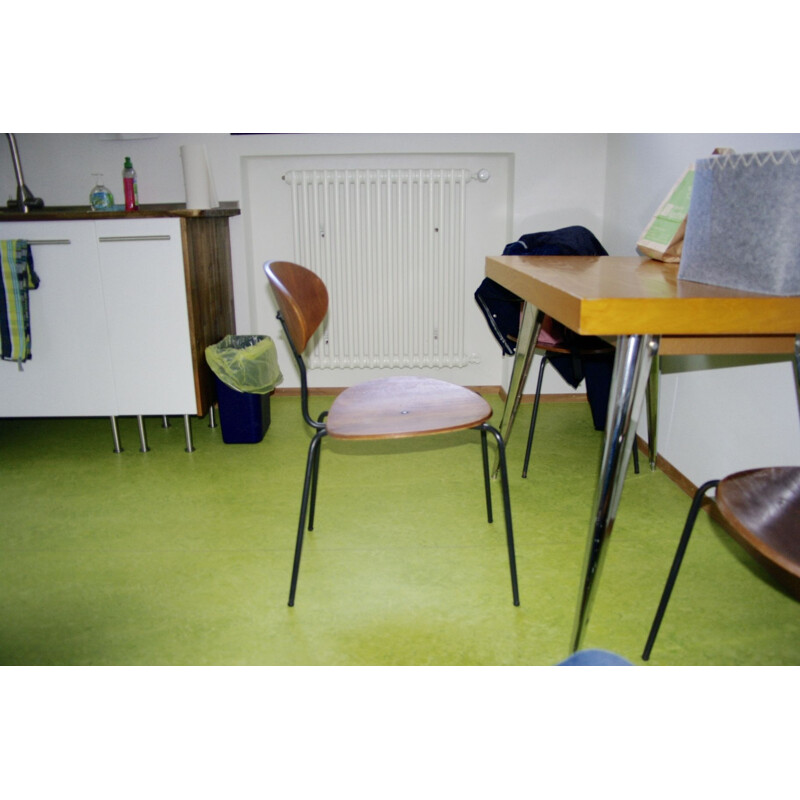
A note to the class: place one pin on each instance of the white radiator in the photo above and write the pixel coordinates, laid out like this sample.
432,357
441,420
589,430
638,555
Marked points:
389,244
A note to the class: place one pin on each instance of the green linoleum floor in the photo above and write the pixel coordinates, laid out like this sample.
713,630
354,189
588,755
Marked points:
169,558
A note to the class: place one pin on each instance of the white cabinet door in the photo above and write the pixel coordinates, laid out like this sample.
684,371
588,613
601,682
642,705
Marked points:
141,267
69,373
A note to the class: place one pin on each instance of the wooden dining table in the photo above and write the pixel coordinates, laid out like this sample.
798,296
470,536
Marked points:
648,311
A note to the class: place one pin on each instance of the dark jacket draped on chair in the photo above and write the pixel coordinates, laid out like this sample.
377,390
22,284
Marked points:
502,310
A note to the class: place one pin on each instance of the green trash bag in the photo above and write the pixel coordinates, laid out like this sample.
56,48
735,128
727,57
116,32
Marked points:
245,363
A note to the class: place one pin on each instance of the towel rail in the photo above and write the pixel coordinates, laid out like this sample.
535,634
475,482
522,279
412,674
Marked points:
48,241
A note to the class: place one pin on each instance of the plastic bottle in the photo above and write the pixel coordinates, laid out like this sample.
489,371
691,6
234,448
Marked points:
130,186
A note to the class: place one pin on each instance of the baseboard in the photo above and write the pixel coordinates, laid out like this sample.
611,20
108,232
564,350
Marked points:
675,475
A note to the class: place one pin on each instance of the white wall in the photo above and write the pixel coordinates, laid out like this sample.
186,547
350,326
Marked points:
717,415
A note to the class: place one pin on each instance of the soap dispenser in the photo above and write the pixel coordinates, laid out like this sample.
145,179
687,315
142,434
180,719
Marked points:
100,198
130,186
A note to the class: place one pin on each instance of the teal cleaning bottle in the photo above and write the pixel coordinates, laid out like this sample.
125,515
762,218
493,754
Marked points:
130,186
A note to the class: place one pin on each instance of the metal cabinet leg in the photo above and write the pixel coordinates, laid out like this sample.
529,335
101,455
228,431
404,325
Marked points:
115,434
143,448
187,426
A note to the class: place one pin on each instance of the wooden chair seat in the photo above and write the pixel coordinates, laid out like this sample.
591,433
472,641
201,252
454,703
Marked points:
760,509
394,408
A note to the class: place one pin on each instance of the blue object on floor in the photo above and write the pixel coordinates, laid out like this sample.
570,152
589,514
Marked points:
244,417
595,658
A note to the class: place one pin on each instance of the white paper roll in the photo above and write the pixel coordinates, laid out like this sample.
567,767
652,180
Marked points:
197,177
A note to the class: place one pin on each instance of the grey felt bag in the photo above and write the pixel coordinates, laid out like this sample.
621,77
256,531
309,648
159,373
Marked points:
743,230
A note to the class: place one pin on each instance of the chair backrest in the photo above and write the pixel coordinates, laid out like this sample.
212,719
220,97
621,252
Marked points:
302,304
302,300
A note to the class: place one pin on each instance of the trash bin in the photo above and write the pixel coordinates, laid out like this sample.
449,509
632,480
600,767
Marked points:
246,371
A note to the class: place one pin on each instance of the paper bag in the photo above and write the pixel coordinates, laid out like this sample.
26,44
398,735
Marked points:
662,239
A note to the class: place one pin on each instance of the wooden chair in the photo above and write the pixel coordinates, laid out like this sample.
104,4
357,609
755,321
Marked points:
388,408
760,509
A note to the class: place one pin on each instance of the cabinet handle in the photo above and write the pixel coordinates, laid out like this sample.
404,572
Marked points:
49,241
162,238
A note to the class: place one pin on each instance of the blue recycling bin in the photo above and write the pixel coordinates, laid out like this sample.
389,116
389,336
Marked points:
244,417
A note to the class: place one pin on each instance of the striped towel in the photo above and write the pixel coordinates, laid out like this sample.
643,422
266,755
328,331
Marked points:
16,279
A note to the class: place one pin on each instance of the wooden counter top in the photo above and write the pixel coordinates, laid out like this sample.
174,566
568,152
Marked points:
85,212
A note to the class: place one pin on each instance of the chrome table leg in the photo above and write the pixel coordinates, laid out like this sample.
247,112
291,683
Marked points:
632,363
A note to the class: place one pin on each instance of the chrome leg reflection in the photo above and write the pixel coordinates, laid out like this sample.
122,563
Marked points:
632,363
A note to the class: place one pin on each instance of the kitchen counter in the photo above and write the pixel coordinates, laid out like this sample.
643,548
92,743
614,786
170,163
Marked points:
127,304
52,213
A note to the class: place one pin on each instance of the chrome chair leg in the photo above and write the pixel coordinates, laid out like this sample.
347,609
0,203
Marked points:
534,415
298,548
512,557
486,480
694,510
